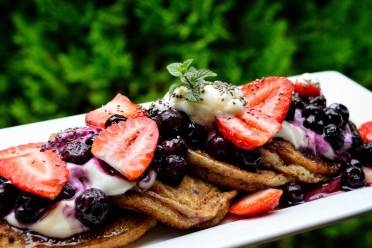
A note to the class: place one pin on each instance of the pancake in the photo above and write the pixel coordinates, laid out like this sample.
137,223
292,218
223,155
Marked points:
230,176
193,204
127,227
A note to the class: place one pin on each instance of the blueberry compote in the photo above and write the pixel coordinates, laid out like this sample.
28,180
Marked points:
73,144
29,208
333,125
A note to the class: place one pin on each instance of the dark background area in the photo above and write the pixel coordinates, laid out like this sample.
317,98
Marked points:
60,58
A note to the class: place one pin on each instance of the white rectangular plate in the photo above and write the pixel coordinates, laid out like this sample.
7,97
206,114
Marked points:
300,218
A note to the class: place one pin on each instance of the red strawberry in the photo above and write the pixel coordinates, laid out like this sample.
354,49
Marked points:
40,173
21,150
128,146
271,95
306,89
365,131
248,130
120,105
257,203
268,101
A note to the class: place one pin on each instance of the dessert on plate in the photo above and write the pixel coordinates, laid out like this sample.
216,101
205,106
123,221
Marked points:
205,149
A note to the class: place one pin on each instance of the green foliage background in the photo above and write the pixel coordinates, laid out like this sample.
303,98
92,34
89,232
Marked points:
60,58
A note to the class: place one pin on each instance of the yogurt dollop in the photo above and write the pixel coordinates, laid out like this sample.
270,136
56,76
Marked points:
60,220
216,98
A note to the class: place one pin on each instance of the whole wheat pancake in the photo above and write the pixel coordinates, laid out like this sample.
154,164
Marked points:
227,175
192,204
127,227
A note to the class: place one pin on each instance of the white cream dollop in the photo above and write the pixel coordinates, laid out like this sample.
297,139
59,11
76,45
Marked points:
217,98
60,221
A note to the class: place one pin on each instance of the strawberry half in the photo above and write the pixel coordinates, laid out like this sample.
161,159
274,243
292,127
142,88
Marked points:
257,203
29,169
271,96
128,146
306,89
249,129
268,101
120,105
365,131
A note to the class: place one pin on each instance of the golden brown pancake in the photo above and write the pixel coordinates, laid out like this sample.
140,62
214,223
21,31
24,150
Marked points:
193,204
230,176
127,227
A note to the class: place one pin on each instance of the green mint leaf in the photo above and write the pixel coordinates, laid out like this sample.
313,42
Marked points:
175,69
186,64
193,95
201,74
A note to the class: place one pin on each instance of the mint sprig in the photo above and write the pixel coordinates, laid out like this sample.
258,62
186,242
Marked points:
190,77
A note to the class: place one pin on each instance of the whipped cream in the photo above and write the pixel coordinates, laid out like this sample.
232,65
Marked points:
217,98
60,220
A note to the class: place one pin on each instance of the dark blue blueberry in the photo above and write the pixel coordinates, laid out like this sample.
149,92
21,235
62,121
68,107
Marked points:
76,152
195,134
319,101
218,147
312,110
114,119
173,169
246,160
176,146
342,110
315,123
352,177
331,116
363,153
92,208
170,123
29,208
8,195
67,192
293,194
334,136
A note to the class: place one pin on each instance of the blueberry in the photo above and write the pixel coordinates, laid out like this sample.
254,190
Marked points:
352,177
175,146
77,152
8,194
319,101
342,110
356,139
292,194
92,208
247,160
363,153
67,192
29,208
114,119
355,162
170,122
195,134
334,136
173,170
315,123
218,147
310,110
73,144
291,113
331,116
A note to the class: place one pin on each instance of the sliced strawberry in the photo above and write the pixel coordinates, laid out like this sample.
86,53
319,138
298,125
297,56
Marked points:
365,131
306,89
257,203
29,169
128,146
120,105
20,150
271,95
248,130
368,174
